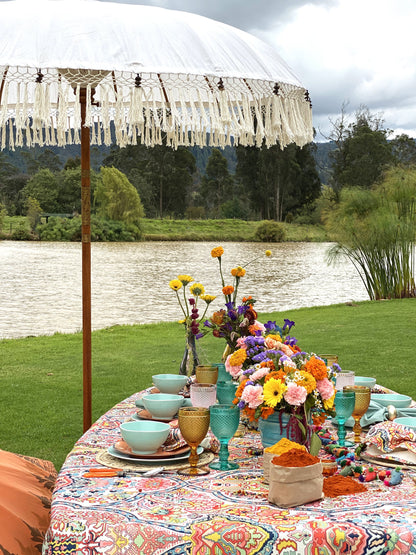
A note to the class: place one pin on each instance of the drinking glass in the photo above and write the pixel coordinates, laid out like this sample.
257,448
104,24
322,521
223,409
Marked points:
344,406
224,423
193,424
329,359
203,394
206,374
226,392
343,379
223,375
362,402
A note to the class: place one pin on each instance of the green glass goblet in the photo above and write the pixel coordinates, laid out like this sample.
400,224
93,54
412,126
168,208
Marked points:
344,407
224,420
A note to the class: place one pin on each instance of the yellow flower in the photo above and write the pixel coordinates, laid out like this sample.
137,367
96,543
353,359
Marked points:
185,279
329,403
268,253
238,272
175,284
238,357
197,289
273,391
306,380
217,252
208,298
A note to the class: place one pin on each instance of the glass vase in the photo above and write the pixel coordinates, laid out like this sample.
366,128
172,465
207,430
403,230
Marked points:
190,358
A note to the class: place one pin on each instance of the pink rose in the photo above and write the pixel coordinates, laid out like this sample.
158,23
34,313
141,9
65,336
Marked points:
241,344
325,388
252,395
233,370
260,373
295,394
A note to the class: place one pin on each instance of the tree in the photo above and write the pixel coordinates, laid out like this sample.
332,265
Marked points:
404,150
363,151
217,184
116,197
3,214
43,187
33,212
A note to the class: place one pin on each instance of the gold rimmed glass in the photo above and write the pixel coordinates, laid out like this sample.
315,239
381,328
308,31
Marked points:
206,374
193,424
362,402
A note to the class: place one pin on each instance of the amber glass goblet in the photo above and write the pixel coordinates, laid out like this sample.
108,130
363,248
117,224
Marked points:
193,424
206,374
362,402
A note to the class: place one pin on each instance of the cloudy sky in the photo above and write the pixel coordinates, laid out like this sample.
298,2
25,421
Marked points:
357,52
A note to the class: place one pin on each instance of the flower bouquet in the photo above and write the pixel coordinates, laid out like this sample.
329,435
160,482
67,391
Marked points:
191,319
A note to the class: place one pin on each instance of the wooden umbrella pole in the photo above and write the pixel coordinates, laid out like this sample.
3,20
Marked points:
86,263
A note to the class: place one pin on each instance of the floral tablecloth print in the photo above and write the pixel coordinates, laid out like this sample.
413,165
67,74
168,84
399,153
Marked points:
221,513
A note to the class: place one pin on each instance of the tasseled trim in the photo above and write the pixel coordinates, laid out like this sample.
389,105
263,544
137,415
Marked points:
46,111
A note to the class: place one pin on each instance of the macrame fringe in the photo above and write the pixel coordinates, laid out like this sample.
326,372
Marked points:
128,115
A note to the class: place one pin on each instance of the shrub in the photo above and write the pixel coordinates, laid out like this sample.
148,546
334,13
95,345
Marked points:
270,232
61,229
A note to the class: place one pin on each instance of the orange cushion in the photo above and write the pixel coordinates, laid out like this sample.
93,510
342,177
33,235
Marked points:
26,485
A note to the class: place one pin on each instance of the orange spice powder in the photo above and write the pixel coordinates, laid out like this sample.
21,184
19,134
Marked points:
295,458
335,486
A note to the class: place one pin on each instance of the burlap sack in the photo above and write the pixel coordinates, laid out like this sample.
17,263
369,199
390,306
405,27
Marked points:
290,487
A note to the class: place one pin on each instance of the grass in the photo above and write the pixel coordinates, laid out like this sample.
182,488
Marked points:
41,393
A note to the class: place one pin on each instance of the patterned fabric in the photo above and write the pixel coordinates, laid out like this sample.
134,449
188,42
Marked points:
221,513
26,485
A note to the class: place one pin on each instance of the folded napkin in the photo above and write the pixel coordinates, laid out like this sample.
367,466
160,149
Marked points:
378,413
175,441
391,442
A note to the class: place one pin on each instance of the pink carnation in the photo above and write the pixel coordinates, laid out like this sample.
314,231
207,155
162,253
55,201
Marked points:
252,395
233,370
241,344
260,373
295,394
325,388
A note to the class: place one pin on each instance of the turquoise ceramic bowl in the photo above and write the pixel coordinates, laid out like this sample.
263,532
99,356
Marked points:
363,380
169,383
144,437
395,399
409,421
162,406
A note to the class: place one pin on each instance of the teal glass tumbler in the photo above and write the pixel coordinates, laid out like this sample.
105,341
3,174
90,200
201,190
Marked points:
226,392
223,375
224,421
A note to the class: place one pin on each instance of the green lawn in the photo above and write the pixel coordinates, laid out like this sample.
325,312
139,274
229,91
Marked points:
41,377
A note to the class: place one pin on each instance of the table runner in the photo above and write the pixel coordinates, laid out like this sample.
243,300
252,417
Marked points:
223,512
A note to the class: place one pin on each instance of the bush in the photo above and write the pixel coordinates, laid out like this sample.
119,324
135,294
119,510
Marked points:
21,233
270,232
62,229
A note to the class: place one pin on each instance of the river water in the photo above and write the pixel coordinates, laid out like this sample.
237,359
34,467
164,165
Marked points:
40,290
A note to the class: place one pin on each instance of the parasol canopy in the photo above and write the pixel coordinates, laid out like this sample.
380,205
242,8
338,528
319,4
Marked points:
90,72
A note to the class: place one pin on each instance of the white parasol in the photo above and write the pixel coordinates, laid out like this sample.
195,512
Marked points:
90,72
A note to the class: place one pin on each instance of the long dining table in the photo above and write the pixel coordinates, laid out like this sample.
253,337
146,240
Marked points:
223,512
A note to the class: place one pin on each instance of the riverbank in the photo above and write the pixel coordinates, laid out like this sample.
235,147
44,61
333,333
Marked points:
198,230
41,393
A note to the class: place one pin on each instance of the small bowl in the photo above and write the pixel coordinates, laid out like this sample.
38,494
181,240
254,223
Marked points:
395,399
366,381
409,421
144,437
162,406
169,383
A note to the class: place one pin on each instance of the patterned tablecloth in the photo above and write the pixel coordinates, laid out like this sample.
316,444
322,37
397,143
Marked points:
221,513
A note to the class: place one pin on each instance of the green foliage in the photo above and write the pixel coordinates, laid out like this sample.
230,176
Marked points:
21,233
216,185
33,212
376,230
116,198
270,232
43,187
69,229
3,214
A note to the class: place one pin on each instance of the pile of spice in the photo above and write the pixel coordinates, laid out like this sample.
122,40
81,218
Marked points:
334,486
284,445
295,458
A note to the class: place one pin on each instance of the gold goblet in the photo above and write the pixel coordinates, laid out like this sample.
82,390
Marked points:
362,402
206,374
193,424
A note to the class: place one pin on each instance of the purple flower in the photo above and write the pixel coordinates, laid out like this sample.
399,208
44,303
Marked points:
270,326
208,324
241,404
288,324
290,340
242,309
260,357
230,305
199,335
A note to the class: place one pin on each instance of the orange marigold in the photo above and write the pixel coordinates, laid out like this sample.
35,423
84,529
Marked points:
317,368
218,317
238,272
240,388
217,252
250,413
228,290
246,299
277,375
266,412
267,364
238,357
253,328
307,381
